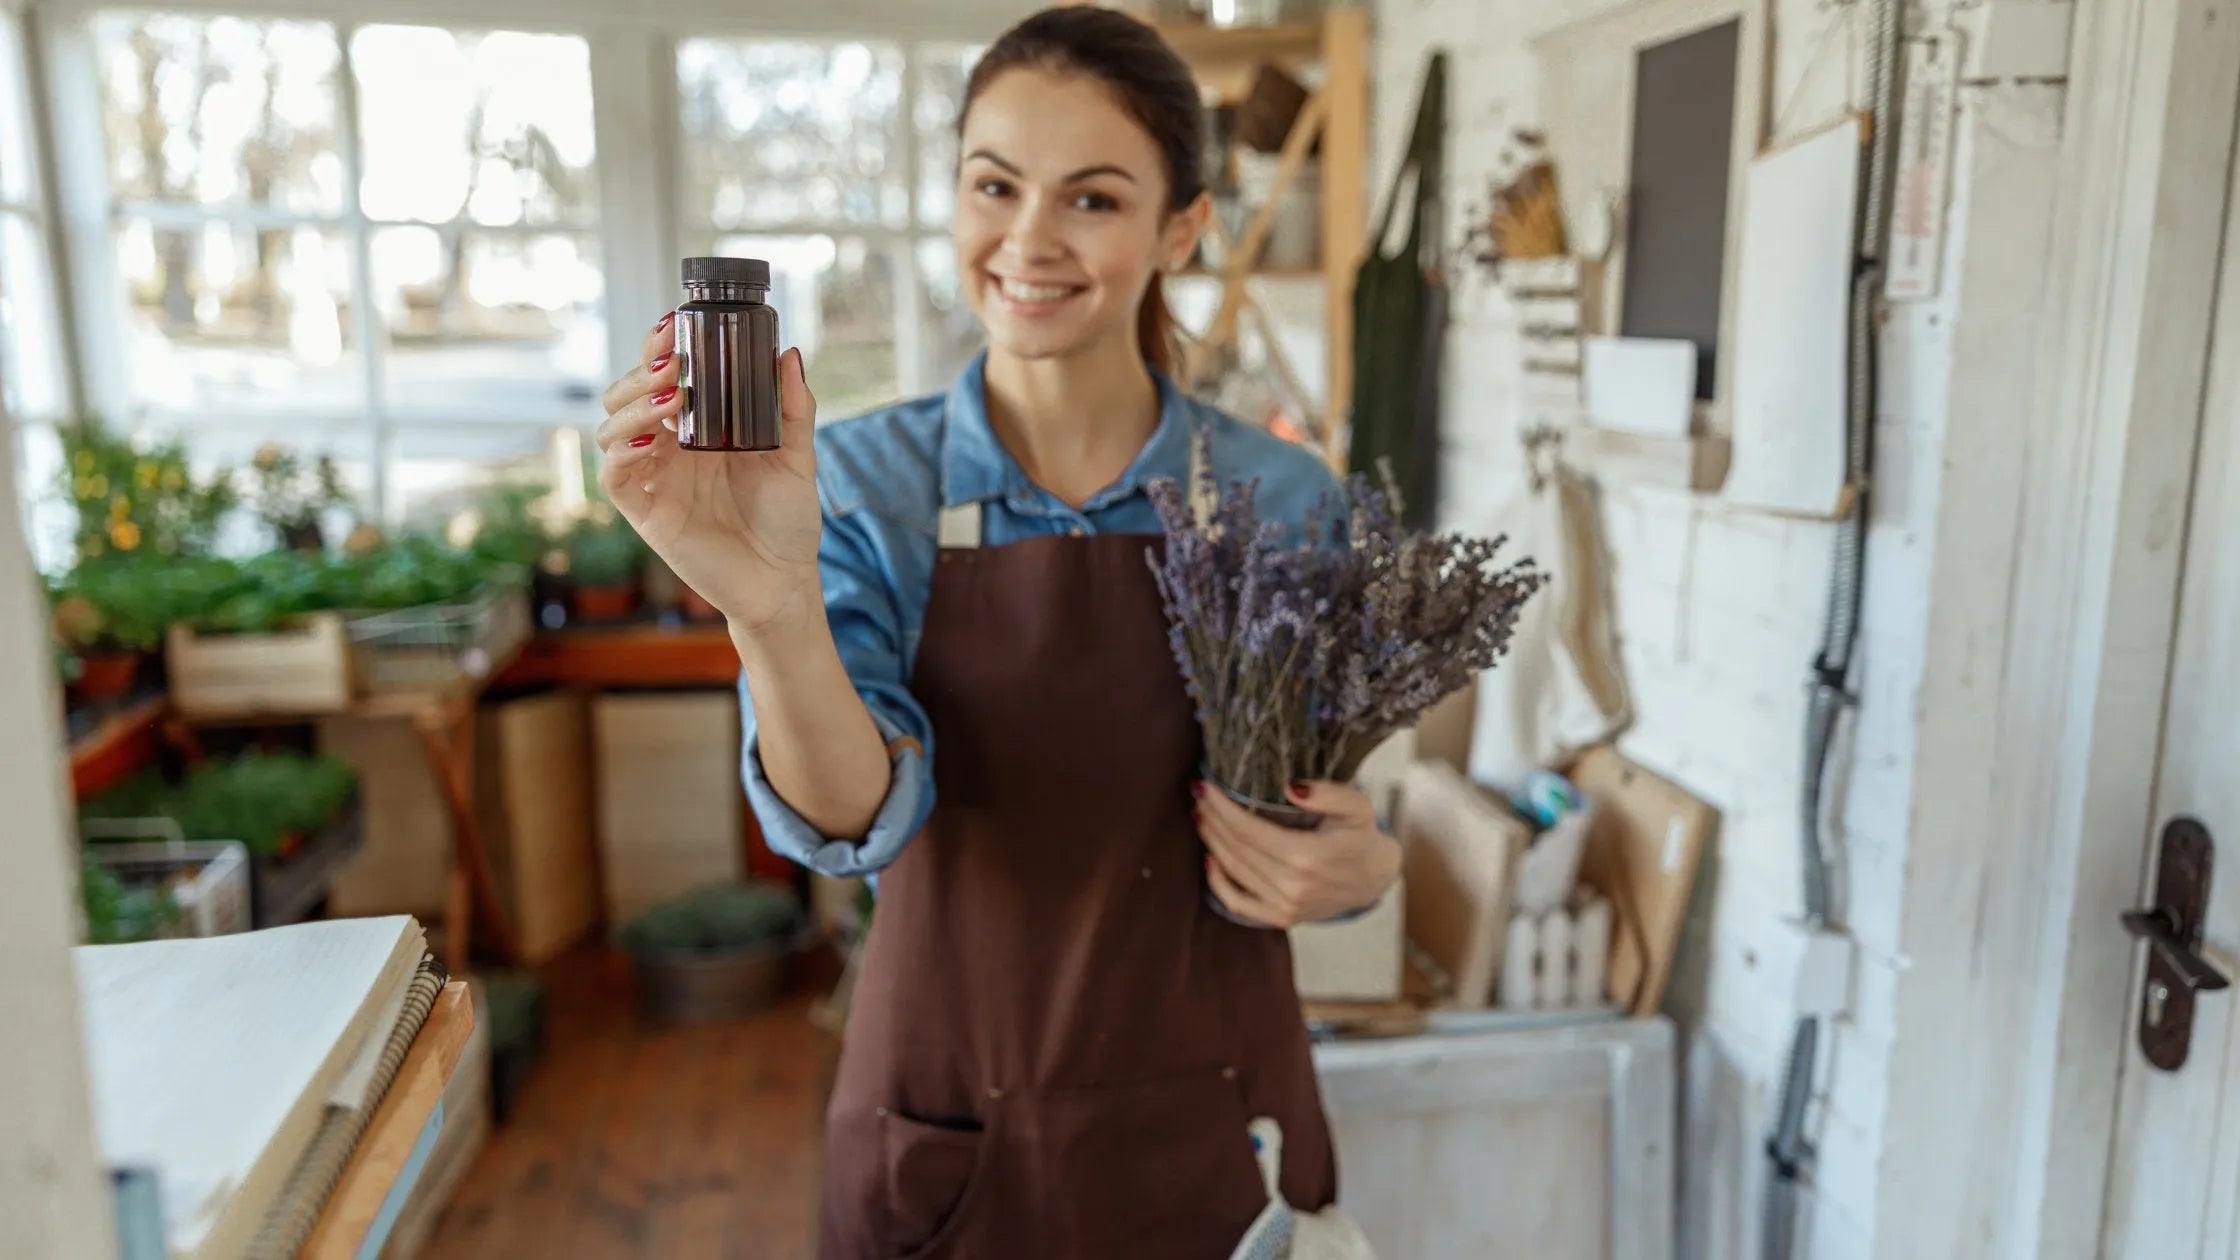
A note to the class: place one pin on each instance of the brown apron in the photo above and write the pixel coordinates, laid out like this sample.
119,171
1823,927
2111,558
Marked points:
1055,1045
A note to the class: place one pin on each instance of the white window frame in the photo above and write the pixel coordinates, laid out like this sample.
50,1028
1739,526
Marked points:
637,123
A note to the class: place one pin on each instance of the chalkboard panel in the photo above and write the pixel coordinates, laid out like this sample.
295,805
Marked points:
1676,219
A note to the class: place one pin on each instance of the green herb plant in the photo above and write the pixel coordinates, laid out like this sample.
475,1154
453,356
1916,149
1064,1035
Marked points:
264,800
116,913
605,551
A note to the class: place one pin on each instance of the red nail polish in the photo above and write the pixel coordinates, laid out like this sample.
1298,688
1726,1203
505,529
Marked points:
665,397
661,362
1299,790
642,440
1198,789
664,321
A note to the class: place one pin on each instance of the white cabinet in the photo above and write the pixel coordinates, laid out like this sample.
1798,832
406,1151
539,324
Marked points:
1554,1143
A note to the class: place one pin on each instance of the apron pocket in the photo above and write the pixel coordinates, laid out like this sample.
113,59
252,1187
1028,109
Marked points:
1153,1168
930,1167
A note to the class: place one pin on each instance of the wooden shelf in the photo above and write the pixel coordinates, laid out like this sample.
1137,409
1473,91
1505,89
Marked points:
1257,273
123,743
1204,45
381,1172
628,656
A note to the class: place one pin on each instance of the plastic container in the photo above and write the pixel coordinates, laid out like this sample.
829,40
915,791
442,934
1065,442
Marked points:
727,341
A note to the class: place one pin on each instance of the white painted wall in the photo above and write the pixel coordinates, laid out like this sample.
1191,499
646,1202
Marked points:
1720,611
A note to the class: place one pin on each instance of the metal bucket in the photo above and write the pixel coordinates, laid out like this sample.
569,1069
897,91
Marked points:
679,988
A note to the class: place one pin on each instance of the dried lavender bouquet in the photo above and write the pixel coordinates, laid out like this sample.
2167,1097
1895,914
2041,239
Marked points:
1303,649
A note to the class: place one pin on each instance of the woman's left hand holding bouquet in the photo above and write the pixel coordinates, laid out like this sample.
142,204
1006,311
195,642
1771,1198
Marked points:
1274,875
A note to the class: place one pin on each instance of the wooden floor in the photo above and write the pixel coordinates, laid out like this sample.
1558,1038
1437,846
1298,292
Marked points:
632,1141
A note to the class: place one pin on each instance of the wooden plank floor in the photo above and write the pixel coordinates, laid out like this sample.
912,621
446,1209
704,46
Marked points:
694,1143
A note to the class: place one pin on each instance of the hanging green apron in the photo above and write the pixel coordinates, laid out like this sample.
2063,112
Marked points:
1399,321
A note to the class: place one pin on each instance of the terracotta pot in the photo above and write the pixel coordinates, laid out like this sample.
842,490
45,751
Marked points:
605,603
695,606
107,673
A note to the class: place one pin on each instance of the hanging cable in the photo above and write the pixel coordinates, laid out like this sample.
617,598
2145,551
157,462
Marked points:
1786,1149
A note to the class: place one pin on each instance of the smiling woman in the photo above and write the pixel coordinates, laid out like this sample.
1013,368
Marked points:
954,659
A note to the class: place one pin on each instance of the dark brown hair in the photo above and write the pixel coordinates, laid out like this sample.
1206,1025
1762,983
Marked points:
1153,86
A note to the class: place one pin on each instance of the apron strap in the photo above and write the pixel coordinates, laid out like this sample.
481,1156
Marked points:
960,527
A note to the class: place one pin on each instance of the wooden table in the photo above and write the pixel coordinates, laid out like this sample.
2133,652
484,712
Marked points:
636,655
395,1145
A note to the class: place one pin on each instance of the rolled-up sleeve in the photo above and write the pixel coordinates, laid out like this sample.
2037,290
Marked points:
867,628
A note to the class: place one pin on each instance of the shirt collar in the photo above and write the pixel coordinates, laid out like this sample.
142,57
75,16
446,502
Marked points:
975,465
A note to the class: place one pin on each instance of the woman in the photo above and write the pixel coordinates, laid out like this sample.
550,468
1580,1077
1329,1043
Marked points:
956,672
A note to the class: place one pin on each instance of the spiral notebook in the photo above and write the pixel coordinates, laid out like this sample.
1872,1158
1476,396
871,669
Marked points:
232,1075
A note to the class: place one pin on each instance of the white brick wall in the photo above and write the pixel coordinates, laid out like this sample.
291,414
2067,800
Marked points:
1719,615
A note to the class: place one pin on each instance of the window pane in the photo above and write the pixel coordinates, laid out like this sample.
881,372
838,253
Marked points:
495,126
30,334
16,181
950,331
221,110
835,300
491,326
434,474
778,133
942,71
227,316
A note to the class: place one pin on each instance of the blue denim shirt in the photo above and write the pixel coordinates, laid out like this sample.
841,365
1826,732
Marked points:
883,479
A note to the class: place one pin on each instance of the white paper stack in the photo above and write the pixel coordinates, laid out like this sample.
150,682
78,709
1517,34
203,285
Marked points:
219,1063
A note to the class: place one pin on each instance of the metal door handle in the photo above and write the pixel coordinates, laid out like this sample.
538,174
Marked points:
2196,973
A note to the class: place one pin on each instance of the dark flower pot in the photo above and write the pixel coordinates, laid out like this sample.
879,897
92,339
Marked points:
680,988
303,536
605,603
107,673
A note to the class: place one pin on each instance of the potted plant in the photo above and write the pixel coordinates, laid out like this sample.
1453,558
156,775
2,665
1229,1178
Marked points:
116,913
604,558
136,498
1304,650
716,952
112,615
289,498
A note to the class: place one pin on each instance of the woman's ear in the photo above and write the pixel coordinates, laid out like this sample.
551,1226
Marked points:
1179,240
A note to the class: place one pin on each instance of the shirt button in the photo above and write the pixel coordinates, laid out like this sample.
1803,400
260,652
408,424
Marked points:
1076,531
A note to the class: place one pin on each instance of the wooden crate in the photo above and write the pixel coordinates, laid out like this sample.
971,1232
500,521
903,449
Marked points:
401,866
534,812
671,809
439,645
306,669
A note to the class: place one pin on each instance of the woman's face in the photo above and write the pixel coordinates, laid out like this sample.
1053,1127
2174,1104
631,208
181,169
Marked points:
1061,214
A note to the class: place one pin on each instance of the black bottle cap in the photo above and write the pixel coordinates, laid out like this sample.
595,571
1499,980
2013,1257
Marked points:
752,271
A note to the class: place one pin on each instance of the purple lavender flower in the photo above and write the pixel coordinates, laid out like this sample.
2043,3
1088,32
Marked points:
1302,656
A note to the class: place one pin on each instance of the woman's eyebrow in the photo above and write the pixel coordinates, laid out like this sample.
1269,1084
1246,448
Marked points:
1086,172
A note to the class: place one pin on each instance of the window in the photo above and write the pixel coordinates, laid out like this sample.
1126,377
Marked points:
808,155
287,272
398,244
31,366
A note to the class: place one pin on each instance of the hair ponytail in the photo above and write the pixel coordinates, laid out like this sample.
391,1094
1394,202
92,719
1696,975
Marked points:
1156,330
1152,84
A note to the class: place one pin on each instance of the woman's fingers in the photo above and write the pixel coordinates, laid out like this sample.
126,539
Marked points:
1223,832
650,377
1241,901
654,413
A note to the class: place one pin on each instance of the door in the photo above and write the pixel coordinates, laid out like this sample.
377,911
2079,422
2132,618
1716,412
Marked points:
2174,1180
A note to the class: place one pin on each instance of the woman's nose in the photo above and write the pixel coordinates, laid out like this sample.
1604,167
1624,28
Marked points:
1032,235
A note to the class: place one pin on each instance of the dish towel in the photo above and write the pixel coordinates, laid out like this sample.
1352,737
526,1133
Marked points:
1282,1232
1562,687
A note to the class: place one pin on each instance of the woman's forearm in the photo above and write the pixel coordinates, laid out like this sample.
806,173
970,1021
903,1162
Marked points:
820,749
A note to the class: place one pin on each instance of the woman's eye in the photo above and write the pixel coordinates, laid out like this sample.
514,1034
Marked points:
1095,201
992,188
